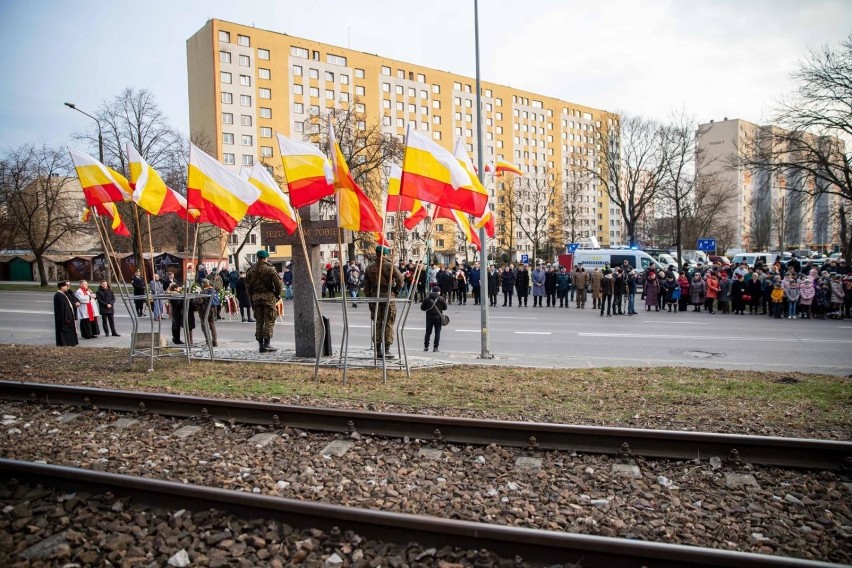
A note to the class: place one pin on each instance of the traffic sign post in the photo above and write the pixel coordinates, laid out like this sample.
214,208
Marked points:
525,259
572,247
707,244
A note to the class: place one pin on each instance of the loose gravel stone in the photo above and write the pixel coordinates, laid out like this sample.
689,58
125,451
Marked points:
569,492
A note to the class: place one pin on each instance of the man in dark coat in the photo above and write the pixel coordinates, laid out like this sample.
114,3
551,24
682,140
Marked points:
106,305
264,289
243,297
473,279
434,307
522,285
507,279
550,285
493,285
138,284
64,316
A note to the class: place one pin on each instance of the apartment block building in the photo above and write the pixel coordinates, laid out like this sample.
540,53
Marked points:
246,84
768,205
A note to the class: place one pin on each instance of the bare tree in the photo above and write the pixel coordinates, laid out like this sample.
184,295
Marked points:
507,198
633,169
536,197
815,121
37,194
576,207
134,117
368,152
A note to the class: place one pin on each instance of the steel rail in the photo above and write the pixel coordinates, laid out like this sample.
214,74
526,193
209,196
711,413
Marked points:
533,545
625,442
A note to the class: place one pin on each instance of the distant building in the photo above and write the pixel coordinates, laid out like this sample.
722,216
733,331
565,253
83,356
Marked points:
768,204
246,83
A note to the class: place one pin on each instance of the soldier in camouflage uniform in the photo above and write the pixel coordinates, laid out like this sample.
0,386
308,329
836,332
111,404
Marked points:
264,288
391,283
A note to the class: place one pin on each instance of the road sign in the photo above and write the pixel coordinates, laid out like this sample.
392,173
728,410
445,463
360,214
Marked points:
525,259
707,244
572,247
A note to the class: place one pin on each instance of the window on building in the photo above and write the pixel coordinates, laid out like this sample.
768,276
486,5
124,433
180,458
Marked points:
344,97
335,59
400,122
359,73
314,91
499,130
245,119
248,160
412,108
400,90
297,70
299,127
265,112
224,56
263,73
245,80
225,36
243,40
436,119
225,77
263,54
227,138
457,101
298,52
245,100
436,89
436,104
227,98
313,110
247,139
386,87
245,61
458,131
421,78
266,151
456,86
359,91
386,70
329,95
227,118
412,92
361,125
313,73
359,107
424,110
298,108
228,159
265,132
344,79
264,93
400,74
386,121
298,89
329,76
386,104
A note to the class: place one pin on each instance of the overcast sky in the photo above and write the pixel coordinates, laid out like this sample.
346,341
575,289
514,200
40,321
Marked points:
710,59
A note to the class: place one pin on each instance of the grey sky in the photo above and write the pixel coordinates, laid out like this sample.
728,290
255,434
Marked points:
710,59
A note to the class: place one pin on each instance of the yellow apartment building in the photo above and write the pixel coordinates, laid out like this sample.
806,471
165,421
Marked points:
246,84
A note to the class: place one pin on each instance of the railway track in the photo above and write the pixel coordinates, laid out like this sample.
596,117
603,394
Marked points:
625,442
535,547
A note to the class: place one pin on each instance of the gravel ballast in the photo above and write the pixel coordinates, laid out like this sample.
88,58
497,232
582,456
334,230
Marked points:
754,509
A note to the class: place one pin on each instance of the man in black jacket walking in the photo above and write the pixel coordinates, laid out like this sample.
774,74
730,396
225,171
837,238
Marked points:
434,306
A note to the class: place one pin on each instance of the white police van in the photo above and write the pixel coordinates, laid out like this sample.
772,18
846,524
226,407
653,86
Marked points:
599,258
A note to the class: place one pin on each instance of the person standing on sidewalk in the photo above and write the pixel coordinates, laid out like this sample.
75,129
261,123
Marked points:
106,304
434,307
64,316
264,289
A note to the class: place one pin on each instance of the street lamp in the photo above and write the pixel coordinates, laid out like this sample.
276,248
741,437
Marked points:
100,132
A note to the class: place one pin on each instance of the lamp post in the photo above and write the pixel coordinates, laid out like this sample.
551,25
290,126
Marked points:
72,106
100,132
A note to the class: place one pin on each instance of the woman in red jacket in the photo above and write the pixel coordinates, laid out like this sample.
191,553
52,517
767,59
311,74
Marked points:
712,292
683,282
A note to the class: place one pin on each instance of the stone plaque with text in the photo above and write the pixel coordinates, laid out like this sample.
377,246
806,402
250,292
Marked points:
316,233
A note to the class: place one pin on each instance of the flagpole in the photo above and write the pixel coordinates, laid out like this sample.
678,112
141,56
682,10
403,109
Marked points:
344,340
150,308
485,352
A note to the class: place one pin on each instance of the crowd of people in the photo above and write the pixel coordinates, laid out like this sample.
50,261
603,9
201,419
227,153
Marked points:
790,290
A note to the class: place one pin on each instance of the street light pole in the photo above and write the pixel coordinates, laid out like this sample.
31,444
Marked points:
72,106
100,131
485,347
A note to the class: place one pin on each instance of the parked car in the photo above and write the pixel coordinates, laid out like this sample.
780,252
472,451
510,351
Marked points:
720,260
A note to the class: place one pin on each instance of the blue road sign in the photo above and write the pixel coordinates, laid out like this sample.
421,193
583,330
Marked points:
525,258
572,247
707,244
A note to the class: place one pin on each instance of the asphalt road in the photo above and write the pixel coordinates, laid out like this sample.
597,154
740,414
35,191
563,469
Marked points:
540,337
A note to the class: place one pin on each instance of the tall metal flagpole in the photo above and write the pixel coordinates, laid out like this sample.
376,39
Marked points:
485,352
